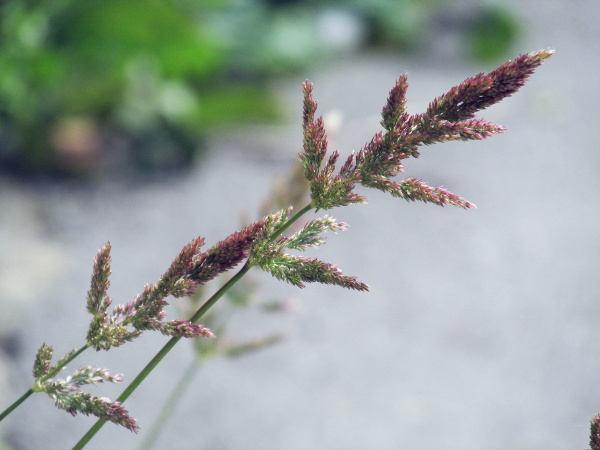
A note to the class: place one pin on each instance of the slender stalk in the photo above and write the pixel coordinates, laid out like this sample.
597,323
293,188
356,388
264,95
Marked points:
173,400
64,362
31,390
161,354
290,221
20,400
173,341
217,295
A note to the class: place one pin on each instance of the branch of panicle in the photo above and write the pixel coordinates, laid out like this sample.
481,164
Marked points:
510,77
184,328
81,402
483,90
299,270
595,433
315,141
97,298
146,311
328,190
269,254
449,117
226,254
67,394
310,234
413,190
394,114
41,364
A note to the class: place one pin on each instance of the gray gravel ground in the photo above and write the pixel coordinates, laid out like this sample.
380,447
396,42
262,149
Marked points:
481,328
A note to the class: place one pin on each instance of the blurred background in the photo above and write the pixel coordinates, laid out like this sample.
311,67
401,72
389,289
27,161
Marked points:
88,88
149,123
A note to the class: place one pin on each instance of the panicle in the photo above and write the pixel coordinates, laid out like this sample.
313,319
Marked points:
41,365
175,278
413,189
595,433
114,412
460,102
310,234
146,310
483,90
449,117
444,131
315,141
100,407
92,375
67,395
393,113
226,254
186,329
328,189
269,254
312,270
97,298
511,76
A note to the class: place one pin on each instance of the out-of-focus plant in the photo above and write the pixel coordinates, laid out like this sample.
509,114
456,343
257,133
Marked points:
492,33
86,82
241,297
245,295
93,84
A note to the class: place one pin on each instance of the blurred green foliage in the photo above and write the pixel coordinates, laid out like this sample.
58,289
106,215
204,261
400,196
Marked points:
140,81
493,34
87,85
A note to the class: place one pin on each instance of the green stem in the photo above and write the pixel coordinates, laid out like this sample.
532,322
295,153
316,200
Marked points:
63,363
31,390
12,407
289,222
171,343
173,400
162,353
